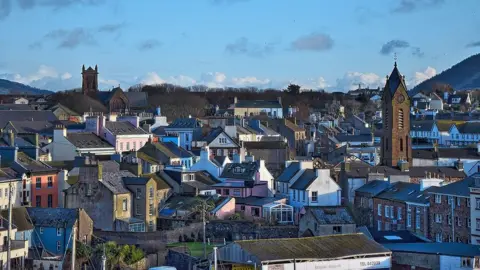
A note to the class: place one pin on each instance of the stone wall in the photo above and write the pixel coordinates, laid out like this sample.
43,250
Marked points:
180,260
233,230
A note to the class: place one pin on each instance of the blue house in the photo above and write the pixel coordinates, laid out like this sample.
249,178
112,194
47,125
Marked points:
53,228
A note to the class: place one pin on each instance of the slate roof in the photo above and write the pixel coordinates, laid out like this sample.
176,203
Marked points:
206,178
189,123
293,126
219,160
80,103
361,170
331,215
289,172
458,188
124,128
15,107
247,170
246,130
137,99
305,180
422,125
136,181
160,152
448,249
354,138
19,217
32,165
373,187
469,127
395,80
40,127
256,201
391,237
258,104
320,247
8,174
7,116
214,133
87,140
452,153
53,217
161,183
113,181
266,145
405,192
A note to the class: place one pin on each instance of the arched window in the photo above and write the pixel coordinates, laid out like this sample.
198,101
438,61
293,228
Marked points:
385,124
401,144
400,118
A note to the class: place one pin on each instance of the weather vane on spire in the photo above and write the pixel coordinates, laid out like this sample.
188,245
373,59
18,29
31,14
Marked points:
395,58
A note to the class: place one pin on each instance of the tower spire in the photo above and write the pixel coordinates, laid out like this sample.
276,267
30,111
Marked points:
395,58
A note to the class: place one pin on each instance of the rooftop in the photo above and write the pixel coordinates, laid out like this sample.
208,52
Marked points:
21,115
124,128
331,215
87,140
52,217
449,249
289,172
405,192
258,104
320,247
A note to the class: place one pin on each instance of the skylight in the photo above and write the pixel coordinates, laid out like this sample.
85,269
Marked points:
392,237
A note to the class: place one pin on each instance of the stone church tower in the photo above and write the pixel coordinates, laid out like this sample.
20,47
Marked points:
396,142
89,80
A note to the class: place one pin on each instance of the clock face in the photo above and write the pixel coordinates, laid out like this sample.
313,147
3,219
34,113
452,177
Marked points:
400,98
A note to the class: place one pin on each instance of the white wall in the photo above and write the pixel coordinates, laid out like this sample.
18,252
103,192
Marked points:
61,148
452,263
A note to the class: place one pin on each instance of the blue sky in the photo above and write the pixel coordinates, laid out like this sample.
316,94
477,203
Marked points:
265,43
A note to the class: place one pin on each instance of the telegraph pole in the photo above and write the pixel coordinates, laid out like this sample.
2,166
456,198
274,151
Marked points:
73,246
204,236
104,259
9,241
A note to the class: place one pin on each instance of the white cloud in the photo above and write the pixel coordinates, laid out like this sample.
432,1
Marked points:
352,79
66,76
421,76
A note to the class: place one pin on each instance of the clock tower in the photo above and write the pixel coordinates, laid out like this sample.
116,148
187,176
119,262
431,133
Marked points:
396,141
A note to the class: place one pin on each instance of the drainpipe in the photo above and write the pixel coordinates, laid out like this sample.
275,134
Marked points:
453,220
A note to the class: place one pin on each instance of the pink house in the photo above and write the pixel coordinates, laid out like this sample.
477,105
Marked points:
241,188
252,208
123,133
224,209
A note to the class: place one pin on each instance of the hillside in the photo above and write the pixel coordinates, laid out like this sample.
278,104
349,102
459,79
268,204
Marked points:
9,87
462,76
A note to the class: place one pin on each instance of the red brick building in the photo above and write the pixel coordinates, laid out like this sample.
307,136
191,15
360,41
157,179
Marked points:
450,212
396,142
403,206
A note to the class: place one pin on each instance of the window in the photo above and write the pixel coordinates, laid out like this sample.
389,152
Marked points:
468,222
128,146
315,226
150,225
466,262
242,207
379,225
399,213
294,194
124,204
58,246
50,200
139,193
134,145
121,146
38,183
458,221
379,210
449,220
303,194
478,224
50,182
438,198
450,200
337,229
314,196
438,237
400,118
477,203
237,192
151,209
227,192
41,230
6,193
222,140
392,212
59,231
255,212
468,202
38,201
438,218
459,201
417,219
401,144
137,209
409,219
387,212
151,192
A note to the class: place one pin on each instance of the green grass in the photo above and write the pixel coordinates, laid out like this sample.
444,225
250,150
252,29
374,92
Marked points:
195,248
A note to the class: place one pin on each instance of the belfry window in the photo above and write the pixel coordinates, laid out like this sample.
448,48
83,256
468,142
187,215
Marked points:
400,118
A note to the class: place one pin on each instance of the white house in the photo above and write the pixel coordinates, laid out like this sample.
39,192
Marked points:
66,146
206,164
293,170
314,187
